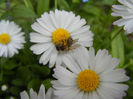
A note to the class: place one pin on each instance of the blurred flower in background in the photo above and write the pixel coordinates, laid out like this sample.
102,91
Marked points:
4,87
126,12
12,97
11,38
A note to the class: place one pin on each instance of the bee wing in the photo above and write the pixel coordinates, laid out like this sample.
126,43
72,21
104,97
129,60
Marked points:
75,46
76,40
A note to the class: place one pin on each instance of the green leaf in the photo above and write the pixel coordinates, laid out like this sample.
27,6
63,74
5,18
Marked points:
35,84
17,82
118,47
15,90
23,73
109,2
88,8
22,11
9,65
63,4
47,83
42,6
44,70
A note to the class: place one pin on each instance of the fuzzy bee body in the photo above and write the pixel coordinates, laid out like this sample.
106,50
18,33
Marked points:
68,46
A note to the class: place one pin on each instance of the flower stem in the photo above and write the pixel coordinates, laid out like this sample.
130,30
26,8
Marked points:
55,2
1,67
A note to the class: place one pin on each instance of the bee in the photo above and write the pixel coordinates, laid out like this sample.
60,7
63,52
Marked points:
68,46
60,47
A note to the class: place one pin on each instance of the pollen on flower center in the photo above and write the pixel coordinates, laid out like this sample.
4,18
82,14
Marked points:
4,38
88,80
61,38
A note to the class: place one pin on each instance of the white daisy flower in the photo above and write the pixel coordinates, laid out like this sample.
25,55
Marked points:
41,94
90,77
126,12
11,38
58,33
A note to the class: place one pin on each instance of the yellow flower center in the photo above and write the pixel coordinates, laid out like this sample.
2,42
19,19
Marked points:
4,38
61,38
88,80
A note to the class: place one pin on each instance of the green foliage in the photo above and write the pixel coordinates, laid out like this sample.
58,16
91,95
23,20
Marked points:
23,12
23,71
47,83
28,4
42,6
63,4
118,46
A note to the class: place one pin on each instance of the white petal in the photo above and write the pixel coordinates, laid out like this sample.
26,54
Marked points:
86,95
24,95
38,28
104,93
64,76
33,95
79,95
53,19
49,94
91,58
95,95
126,12
67,93
80,53
11,50
38,38
41,94
2,49
53,58
69,20
40,48
46,24
129,26
77,23
115,90
117,75
59,59
46,55
70,63
121,22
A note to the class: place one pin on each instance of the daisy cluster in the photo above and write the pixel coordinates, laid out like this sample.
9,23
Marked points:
62,40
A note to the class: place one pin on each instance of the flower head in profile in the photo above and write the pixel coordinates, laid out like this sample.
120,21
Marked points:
57,34
125,11
90,76
41,94
11,38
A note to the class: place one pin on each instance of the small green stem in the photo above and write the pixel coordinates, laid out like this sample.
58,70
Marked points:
55,4
1,67
26,3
